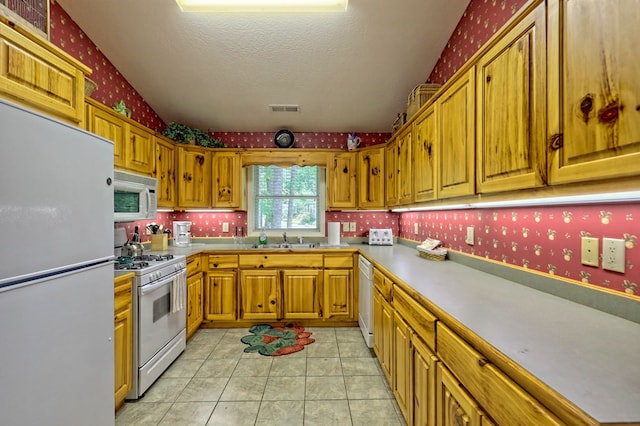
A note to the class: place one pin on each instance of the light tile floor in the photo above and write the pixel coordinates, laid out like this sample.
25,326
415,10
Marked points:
335,381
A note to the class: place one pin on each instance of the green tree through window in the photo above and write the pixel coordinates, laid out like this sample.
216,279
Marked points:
286,198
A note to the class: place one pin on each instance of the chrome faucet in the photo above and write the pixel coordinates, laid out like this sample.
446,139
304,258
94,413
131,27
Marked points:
284,237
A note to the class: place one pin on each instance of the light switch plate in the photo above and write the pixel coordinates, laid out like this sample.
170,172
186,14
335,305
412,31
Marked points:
225,226
352,227
345,226
589,251
415,228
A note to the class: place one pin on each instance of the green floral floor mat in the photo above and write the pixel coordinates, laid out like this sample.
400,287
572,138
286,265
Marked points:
276,341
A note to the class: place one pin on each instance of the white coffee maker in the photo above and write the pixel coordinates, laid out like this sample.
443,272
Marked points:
181,234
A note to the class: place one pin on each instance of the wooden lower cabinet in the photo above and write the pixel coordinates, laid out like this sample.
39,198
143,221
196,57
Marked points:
301,293
424,384
195,284
220,292
220,296
383,332
122,337
259,295
338,295
455,407
402,383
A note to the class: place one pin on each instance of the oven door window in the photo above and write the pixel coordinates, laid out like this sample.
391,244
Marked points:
126,202
161,307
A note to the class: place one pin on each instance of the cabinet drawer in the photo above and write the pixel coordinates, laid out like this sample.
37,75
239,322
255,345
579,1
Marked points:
338,261
193,265
383,284
281,260
500,397
223,261
421,320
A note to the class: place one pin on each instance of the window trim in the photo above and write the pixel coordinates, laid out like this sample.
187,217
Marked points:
322,203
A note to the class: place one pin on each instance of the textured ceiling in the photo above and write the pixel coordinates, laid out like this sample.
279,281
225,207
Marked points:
348,71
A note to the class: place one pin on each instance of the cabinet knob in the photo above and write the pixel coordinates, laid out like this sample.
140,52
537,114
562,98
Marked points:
482,362
273,302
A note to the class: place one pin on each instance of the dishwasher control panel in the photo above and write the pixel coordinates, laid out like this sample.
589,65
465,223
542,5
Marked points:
380,237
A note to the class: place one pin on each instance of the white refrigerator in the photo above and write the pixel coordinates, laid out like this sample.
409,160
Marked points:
56,272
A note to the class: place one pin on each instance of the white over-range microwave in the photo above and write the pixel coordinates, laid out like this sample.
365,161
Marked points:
134,197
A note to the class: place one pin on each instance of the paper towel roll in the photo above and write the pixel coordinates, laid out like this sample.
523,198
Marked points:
333,233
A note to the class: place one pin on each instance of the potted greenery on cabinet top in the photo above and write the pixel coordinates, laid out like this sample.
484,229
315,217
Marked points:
181,133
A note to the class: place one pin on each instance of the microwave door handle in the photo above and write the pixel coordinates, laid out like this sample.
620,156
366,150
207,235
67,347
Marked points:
147,193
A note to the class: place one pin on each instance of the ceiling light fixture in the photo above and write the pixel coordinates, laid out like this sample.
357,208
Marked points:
263,5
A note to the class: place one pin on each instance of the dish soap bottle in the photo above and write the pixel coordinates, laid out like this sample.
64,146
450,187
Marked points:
262,239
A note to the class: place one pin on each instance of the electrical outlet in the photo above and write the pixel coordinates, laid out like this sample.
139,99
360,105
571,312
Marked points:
613,254
225,226
352,227
415,228
345,226
589,250
470,239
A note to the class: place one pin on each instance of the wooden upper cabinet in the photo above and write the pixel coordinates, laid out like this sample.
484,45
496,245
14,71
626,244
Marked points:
140,149
371,178
594,90
194,177
424,155
165,172
226,180
405,170
391,171
38,74
456,137
341,181
511,87
104,123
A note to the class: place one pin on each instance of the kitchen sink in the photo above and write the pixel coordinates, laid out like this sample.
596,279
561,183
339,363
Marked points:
299,246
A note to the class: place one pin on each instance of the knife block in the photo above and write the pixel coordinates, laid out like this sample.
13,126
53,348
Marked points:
159,242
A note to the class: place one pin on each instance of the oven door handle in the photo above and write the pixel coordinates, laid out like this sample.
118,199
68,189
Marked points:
146,289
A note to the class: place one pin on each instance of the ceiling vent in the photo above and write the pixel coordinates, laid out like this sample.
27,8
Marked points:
284,108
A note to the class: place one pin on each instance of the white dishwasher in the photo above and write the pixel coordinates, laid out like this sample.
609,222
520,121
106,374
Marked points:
365,318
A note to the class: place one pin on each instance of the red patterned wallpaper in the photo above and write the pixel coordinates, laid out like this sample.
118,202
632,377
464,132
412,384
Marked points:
112,86
209,224
546,239
302,139
478,23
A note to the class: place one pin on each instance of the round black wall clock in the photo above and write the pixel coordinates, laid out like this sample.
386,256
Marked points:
284,138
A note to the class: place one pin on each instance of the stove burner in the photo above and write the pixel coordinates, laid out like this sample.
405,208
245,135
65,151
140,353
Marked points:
130,266
153,257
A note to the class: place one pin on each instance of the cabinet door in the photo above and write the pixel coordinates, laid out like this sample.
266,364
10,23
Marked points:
194,303
140,150
111,127
338,294
405,169
403,367
424,384
391,169
301,293
594,90
456,138
424,155
122,341
165,172
371,178
511,87
260,295
341,181
194,171
454,406
227,180
383,333
220,296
